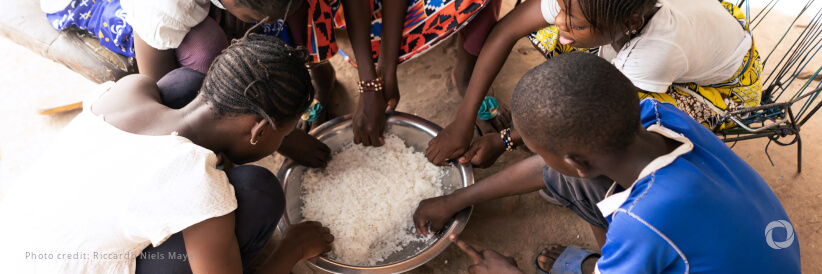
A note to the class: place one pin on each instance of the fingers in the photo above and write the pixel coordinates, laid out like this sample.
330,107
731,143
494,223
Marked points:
392,105
357,137
432,146
419,224
468,249
470,153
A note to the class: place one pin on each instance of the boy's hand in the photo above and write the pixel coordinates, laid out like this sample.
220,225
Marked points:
487,261
307,239
449,144
484,151
435,210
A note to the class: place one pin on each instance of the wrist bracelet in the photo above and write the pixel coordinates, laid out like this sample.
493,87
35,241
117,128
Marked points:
371,86
505,134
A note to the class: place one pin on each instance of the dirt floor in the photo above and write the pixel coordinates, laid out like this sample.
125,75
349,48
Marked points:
515,226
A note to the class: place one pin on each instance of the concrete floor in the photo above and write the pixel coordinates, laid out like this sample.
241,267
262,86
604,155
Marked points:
515,226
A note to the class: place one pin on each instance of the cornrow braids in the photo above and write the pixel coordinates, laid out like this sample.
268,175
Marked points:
260,75
604,15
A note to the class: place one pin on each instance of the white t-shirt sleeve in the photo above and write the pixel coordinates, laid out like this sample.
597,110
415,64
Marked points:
163,24
191,190
652,64
550,10
52,6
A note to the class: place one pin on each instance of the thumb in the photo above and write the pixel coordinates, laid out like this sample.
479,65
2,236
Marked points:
470,153
392,104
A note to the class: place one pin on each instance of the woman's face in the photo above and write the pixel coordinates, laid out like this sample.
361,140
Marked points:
250,15
576,31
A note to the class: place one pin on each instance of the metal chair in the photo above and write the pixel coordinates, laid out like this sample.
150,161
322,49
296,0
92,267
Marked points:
781,121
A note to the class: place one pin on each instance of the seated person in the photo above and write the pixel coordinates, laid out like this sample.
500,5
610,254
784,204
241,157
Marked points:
696,54
681,200
164,36
132,186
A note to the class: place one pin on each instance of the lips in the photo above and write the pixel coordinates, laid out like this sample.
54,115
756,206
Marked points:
565,41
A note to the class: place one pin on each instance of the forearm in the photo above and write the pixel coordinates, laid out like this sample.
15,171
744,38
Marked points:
393,23
520,178
358,23
152,62
516,138
489,63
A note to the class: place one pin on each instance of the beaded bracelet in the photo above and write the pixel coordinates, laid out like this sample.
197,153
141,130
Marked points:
371,86
505,134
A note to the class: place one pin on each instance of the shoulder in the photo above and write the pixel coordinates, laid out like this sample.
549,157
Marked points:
132,90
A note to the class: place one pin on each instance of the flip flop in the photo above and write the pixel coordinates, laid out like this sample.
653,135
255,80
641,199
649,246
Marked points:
569,261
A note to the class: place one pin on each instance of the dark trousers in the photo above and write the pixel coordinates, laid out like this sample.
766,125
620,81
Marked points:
260,199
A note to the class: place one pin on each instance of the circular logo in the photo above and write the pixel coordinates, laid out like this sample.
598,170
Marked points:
769,234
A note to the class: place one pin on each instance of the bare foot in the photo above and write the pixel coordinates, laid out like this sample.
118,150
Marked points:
324,79
305,149
496,124
549,255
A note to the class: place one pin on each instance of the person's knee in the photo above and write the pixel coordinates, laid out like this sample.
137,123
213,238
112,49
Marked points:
258,188
203,43
180,86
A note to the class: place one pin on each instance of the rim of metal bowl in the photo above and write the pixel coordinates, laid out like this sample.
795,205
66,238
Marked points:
453,227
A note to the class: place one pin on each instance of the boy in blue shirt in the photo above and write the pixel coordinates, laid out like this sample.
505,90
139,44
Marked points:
681,200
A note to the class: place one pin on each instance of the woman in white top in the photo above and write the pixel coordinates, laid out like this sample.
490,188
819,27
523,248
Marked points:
129,172
696,54
165,35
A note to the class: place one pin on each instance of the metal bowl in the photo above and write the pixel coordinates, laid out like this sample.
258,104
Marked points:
416,132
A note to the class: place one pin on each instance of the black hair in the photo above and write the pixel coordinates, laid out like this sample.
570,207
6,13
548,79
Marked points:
576,101
606,14
261,75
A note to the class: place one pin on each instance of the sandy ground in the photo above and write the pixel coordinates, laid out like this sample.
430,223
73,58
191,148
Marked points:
516,226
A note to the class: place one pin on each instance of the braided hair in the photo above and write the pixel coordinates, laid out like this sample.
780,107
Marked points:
260,75
605,14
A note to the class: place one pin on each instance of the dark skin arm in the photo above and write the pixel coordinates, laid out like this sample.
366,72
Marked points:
520,178
153,62
456,137
369,116
212,246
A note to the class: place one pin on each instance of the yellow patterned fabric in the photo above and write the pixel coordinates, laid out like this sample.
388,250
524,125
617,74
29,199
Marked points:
704,103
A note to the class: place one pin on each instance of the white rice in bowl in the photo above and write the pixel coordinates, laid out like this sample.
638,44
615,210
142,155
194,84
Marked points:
367,197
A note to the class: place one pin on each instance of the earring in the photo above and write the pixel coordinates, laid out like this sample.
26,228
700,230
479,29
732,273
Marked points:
253,143
633,32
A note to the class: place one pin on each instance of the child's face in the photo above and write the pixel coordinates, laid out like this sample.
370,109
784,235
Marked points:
576,31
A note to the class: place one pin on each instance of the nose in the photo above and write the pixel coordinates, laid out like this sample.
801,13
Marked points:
559,21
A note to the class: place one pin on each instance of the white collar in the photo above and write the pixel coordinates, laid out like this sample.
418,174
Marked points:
218,4
613,201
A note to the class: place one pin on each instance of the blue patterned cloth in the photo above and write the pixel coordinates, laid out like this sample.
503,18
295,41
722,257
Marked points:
102,18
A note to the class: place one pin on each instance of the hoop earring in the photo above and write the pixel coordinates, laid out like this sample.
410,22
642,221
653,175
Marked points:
253,143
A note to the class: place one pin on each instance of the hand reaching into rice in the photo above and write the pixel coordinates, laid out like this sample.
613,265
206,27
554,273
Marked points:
367,197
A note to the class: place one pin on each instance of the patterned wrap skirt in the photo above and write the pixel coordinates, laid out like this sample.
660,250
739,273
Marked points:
705,103
427,23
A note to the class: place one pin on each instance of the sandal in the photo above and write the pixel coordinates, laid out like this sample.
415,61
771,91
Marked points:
569,262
